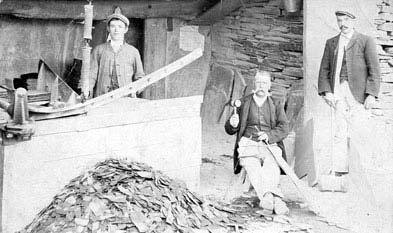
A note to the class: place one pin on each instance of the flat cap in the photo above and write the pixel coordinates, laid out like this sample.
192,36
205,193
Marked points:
119,17
350,15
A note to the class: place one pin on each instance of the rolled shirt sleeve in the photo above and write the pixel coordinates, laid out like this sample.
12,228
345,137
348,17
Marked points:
138,67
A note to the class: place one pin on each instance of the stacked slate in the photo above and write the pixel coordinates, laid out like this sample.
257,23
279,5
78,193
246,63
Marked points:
262,35
32,96
384,35
122,196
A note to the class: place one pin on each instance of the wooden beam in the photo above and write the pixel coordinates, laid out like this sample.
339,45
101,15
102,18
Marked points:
43,113
63,9
218,11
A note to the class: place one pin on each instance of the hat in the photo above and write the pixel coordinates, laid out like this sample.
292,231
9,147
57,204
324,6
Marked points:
119,17
350,15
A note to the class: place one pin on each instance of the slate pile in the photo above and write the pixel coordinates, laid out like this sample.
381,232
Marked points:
122,196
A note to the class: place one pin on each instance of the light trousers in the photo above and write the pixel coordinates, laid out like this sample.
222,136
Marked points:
347,111
261,168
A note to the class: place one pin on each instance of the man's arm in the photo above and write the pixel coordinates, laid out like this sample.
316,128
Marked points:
138,66
372,62
281,130
324,72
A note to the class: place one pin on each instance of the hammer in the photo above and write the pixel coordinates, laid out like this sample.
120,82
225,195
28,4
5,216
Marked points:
236,104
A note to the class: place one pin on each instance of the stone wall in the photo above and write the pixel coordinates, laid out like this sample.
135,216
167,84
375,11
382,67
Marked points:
258,35
384,38
261,35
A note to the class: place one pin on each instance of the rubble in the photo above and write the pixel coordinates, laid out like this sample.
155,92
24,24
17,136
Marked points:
119,196
122,196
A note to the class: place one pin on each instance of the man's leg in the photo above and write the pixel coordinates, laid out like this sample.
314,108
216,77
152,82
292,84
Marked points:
270,174
271,178
265,179
253,168
340,140
340,159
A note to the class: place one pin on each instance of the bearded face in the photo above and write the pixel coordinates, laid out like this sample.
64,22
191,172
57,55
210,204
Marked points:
262,84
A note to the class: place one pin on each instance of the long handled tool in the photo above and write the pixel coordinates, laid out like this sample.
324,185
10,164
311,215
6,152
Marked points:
304,190
331,182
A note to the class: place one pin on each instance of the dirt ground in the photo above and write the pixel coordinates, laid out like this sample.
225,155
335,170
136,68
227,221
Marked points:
218,182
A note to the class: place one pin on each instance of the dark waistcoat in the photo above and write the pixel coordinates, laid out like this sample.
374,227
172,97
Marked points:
258,119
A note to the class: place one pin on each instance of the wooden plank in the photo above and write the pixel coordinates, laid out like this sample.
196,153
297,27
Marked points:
218,12
313,202
155,53
49,112
63,9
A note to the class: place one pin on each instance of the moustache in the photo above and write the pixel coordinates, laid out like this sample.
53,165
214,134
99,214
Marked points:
258,89
343,27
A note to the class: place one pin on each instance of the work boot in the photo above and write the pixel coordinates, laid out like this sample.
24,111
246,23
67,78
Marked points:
266,203
280,208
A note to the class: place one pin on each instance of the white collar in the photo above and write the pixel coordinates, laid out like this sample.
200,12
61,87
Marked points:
258,100
347,36
116,46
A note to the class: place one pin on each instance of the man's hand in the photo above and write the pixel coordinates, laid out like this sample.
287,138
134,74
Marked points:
85,96
234,120
262,136
133,95
369,102
330,99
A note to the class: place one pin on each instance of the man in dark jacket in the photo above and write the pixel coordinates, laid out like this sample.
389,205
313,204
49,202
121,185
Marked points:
349,80
261,125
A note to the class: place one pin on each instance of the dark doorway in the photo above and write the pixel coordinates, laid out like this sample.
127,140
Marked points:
134,37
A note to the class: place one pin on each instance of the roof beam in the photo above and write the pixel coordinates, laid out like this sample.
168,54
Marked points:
63,9
218,11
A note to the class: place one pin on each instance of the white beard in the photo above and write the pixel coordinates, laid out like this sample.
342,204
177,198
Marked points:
259,93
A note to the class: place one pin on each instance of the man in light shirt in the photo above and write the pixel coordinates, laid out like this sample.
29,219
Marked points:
115,63
260,125
349,81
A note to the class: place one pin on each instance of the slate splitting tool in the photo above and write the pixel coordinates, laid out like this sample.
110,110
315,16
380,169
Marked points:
331,182
303,189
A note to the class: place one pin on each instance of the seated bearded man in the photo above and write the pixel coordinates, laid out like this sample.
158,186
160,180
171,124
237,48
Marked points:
260,125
